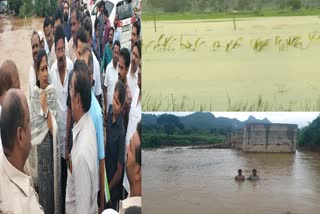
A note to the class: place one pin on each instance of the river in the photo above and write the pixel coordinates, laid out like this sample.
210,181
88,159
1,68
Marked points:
184,180
15,43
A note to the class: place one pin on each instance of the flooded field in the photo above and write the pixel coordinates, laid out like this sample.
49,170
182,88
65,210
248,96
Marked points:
283,75
15,44
183,180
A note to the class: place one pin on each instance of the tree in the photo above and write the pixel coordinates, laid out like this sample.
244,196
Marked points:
294,4
169,123
45,7
15,5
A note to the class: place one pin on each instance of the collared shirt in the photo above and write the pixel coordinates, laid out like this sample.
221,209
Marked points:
96,116
110,81
82,182
132,80
17,194
62,94
96,76
32,80
134,119
115,150
129,202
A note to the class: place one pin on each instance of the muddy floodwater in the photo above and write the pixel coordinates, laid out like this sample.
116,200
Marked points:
183,180
237,79
15,44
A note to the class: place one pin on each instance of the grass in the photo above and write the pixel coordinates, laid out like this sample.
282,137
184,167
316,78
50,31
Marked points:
161,16
172,103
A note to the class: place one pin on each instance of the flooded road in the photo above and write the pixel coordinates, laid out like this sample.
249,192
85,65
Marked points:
15,44
182,180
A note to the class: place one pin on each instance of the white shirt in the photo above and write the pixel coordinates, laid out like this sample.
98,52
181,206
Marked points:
82,183
17,194
62,95
110,81
32,81
132,80
129,202
96,76
134,119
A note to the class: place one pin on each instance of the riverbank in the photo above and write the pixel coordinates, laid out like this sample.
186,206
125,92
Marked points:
161,140
162,16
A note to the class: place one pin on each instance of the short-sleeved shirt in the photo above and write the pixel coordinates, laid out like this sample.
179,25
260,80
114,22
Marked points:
110,81
17,194
115,151
62,94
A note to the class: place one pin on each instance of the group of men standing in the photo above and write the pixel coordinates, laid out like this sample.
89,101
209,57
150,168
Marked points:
99,166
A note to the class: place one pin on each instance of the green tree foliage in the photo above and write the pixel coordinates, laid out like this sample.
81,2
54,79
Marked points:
294,4
15,5
26,8
309,136
45,7
169,123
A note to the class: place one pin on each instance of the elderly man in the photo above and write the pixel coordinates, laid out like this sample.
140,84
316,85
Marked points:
9,78
82,184
59,74
35,45
133,169
15,183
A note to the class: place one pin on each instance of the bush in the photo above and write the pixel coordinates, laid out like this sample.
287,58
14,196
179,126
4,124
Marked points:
15,5
25,9
294,4
45,7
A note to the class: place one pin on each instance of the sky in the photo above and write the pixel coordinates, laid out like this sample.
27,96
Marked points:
300,118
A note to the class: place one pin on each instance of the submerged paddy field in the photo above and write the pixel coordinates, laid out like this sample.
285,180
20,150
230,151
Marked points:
267,63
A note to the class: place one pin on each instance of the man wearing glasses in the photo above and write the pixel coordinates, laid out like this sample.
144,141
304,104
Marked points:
59,76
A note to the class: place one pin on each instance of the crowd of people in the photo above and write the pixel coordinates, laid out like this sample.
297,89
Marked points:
73,144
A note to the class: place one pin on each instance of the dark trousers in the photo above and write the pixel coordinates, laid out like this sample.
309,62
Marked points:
64,175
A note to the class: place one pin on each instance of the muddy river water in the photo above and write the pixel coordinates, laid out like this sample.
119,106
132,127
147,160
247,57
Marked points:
183,180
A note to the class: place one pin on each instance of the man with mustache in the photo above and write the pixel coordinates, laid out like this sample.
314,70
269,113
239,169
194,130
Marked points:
66,20
75,23
59,74
35,45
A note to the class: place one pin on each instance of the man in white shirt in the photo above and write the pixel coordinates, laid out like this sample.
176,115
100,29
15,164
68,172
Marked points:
57,20
111,78
9,78
48,33
134,115
75,23
82,184
17,194
132,76
59,75
35,45
117,34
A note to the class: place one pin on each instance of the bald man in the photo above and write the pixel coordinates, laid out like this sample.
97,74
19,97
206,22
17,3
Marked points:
9,78
15,183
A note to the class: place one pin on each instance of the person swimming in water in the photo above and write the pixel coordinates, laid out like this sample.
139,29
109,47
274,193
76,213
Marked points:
239,177
253,176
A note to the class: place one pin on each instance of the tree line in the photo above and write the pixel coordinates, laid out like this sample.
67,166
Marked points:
27,8
309,136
